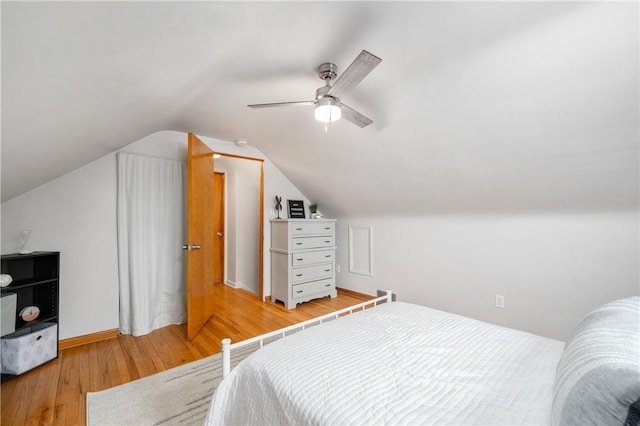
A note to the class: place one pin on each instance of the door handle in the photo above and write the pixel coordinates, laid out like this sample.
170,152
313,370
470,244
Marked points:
189,247
219,234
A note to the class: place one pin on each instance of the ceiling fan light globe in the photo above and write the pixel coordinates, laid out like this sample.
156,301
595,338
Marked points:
328,110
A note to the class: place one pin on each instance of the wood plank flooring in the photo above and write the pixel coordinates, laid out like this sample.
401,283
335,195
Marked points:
55,393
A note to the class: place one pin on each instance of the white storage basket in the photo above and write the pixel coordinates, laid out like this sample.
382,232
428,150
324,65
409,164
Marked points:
8,313
29,348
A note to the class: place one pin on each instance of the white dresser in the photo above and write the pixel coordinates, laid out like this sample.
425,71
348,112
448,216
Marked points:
303,253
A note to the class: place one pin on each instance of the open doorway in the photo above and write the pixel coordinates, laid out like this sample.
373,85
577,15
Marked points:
242,202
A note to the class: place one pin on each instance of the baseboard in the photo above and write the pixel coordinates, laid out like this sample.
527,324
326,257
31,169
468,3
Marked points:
238,285
88,338
355,293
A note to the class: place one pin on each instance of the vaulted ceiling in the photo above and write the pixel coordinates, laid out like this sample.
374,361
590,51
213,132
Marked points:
478,107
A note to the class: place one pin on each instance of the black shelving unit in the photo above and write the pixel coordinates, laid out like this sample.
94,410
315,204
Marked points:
35,283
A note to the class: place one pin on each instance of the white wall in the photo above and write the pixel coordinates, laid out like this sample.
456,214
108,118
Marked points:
76,215
242,223
552,269
248,192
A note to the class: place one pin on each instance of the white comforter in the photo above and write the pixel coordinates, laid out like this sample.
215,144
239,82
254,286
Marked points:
396,364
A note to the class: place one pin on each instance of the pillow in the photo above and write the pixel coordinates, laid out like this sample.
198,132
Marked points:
598,377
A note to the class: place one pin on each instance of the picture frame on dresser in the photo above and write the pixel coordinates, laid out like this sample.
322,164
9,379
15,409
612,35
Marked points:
296,209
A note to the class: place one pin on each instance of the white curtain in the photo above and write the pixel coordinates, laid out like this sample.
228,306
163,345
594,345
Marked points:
151,231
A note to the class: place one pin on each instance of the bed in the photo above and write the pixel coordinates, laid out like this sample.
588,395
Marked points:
400,363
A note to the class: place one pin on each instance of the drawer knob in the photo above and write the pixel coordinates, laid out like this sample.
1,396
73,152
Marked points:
298,229
327,285
328,255
327,228
328,241
298,291
300,259
327,270
298,275
298,244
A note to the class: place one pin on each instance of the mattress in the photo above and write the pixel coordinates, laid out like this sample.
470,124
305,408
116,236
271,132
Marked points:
398,363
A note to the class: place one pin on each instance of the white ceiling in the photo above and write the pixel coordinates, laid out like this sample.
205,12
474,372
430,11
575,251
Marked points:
478,107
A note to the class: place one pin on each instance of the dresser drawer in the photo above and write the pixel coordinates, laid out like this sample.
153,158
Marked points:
300,243
303,290
310,273
310,228
312,257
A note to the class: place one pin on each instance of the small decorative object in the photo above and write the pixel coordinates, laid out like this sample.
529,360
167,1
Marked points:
25,234
29,313
5,280
278,205
296,209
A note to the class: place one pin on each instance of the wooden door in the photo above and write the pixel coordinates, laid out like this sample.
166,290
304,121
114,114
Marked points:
218,227
199,235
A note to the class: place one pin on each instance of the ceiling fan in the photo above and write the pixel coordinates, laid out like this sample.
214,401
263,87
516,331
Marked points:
329,107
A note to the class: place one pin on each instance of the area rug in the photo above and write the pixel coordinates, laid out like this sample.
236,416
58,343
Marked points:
178,396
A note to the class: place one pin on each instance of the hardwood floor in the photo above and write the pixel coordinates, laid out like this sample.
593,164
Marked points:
55,393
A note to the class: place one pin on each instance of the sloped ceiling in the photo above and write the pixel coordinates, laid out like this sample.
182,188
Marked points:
499,107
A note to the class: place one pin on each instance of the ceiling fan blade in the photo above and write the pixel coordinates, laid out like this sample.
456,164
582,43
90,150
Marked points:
359,68
279,104
354,116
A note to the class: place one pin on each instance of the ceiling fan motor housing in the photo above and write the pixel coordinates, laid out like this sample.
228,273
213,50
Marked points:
327,71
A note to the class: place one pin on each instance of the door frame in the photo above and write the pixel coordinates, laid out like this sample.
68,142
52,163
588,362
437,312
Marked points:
260,216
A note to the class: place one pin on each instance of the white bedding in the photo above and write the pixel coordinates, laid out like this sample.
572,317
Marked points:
396,364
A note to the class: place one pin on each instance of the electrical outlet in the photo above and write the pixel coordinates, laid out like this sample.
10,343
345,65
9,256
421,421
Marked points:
499,301
337,267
